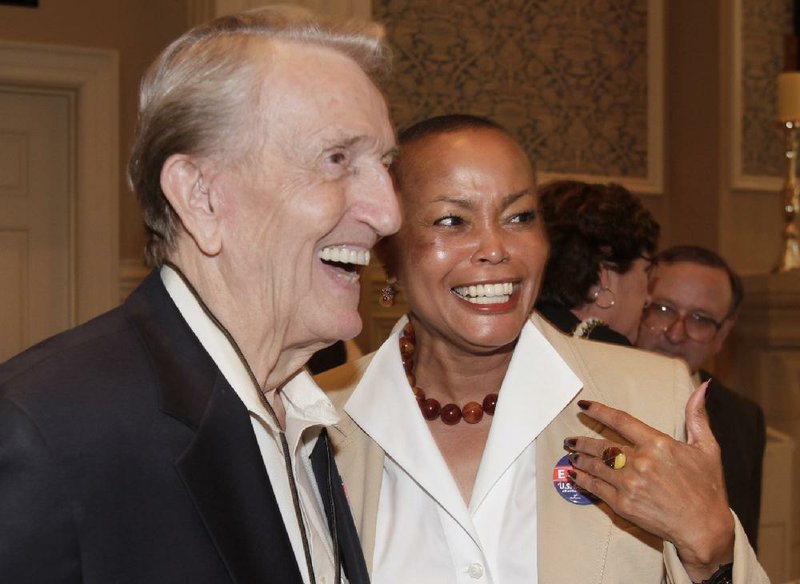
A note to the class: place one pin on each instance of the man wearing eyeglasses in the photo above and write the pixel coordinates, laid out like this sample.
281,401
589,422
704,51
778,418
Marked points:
694,300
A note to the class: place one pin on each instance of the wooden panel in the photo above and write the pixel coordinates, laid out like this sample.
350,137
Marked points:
90,77
13,162
775,529
35,215
14,292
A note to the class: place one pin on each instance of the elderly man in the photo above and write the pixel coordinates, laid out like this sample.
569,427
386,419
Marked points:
176,439
695,296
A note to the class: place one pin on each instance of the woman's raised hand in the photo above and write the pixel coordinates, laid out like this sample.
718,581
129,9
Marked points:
672,489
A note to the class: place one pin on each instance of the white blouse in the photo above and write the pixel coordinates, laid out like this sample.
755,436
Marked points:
425,531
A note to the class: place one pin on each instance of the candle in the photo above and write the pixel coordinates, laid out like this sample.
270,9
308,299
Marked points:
789,96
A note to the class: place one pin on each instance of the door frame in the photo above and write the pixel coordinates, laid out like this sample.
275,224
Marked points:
92,76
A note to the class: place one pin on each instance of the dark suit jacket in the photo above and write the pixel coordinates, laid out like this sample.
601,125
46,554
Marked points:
738,425
125,456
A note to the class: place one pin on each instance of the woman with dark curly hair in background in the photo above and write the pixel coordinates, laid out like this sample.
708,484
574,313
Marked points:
601,240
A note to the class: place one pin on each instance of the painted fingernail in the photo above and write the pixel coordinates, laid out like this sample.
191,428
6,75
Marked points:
572,474
573,457
569,443
584,404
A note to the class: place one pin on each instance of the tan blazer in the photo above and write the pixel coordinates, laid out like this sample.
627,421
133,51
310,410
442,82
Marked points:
577,544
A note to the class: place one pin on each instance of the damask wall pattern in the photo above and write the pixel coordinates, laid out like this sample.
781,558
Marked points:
569,78
764,25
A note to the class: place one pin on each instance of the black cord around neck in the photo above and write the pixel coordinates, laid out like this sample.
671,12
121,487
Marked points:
284,444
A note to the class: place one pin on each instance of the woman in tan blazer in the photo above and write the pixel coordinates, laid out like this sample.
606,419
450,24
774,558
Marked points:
528,475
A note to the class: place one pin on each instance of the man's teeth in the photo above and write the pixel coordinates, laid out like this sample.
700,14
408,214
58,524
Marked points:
345,255
486,293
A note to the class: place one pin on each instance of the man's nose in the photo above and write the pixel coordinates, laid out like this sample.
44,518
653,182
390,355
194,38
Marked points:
676,333
381,202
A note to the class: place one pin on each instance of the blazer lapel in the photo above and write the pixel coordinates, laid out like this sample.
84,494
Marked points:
360,462
573,539
222,466
337,510
358,458
224,472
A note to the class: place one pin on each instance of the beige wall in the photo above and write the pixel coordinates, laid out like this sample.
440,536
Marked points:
137,29
698,205
689,210
702,203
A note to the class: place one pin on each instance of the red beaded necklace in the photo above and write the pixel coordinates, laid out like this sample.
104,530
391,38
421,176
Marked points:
450,414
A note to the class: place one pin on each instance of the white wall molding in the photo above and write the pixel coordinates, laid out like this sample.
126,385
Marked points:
93,77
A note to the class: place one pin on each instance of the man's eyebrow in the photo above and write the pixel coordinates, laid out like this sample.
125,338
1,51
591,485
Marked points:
696,310
343,141
392,153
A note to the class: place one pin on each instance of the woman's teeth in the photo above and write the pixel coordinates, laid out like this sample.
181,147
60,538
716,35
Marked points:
486,293
345,255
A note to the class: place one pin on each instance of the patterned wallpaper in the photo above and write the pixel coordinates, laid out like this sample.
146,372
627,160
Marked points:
764,24
569,78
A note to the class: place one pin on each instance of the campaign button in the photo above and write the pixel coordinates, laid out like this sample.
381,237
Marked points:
565,488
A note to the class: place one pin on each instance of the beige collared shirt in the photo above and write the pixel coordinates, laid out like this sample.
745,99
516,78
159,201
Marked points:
308,410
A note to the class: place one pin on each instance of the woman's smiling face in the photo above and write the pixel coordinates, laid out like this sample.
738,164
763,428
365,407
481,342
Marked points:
471,251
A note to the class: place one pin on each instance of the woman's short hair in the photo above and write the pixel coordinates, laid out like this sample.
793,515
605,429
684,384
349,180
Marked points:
591,226
194,99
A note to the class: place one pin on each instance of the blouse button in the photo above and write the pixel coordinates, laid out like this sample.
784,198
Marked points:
475,570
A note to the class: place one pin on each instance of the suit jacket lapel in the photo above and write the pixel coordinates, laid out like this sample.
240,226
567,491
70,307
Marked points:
358,458
573,539
222,466
337,510
224,472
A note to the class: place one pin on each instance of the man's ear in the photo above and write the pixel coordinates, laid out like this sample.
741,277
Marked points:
194,200
722,334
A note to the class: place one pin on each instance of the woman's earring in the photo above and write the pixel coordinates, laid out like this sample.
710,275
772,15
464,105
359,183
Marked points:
603,297
388,293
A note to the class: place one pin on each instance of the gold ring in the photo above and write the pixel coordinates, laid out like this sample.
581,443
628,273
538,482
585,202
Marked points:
614,458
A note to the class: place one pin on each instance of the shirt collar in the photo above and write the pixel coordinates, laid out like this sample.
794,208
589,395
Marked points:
537,378
305,403
537,386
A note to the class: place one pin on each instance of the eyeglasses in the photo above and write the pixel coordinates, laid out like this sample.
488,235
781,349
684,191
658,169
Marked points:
698,327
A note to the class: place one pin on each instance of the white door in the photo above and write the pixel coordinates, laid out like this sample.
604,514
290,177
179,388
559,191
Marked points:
36,294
